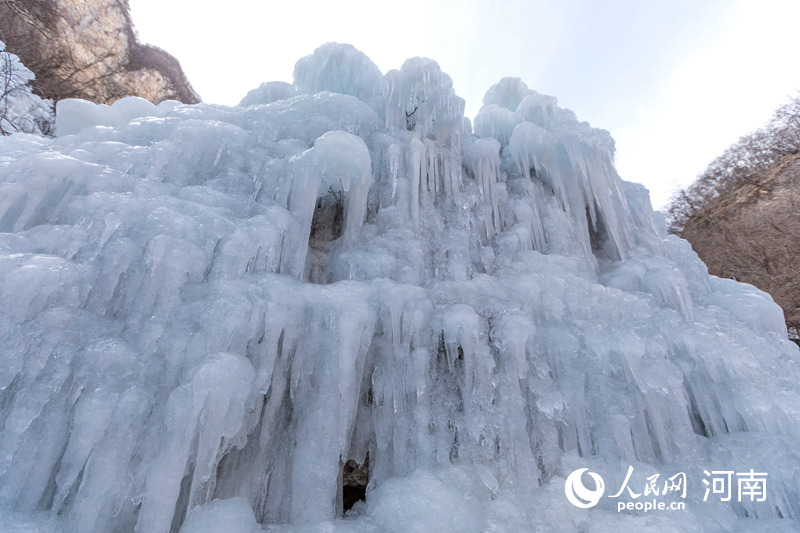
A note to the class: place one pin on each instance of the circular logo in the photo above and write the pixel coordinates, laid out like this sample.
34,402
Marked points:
577,493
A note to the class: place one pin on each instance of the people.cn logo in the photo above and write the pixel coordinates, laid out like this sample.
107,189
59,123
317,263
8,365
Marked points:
577,493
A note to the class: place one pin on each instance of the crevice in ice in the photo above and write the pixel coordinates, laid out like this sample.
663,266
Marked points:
48,496
182,505
449,367
698,426
327,223
62,502
455,446
653,436
599,237
13,212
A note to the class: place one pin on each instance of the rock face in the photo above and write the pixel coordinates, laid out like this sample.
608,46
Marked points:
740,215
752,234
88,49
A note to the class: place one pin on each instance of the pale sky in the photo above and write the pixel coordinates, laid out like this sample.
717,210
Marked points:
674,82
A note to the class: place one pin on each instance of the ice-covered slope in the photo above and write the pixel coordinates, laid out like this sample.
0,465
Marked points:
206,311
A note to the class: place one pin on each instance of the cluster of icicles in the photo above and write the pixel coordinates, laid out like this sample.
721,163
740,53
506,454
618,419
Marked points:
202,303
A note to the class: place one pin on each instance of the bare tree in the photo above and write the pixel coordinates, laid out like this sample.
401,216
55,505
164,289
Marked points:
20,109
746,162
741,214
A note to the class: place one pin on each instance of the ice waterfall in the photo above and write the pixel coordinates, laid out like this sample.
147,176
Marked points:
207,312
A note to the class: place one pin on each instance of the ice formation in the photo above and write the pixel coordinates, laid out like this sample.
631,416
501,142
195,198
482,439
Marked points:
20,109
205,312
75,114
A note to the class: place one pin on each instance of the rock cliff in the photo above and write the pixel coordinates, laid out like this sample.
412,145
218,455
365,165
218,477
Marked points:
88,49
752,234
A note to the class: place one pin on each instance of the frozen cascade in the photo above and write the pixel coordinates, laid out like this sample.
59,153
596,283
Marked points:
206,312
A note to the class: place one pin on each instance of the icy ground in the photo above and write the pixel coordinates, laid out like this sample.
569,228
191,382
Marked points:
206,311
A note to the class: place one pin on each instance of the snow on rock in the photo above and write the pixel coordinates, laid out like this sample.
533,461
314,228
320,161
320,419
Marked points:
205,312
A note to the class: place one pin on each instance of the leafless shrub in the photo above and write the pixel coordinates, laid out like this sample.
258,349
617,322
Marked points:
20,109
741,215
746,162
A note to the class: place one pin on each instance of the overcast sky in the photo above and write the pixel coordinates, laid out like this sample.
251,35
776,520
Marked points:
674,82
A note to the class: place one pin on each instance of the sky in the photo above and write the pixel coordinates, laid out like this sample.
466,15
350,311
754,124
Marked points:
674,82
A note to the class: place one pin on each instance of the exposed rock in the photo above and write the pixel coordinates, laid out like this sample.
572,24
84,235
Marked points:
88,49
355,474
355,478
752,234
741,213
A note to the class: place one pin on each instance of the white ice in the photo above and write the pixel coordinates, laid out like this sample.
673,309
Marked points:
206,311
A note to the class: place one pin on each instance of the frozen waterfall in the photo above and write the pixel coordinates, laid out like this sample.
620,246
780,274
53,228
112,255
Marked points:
215,319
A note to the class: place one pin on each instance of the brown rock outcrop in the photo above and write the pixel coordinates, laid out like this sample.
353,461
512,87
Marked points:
88,49
741,214
752,234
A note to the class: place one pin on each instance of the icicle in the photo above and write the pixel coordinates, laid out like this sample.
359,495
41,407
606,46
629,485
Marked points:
306,183
416,158
497,122
222,381
474,361
420,97
483,158
345,158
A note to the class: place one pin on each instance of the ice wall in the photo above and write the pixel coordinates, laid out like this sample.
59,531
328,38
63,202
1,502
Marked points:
206,311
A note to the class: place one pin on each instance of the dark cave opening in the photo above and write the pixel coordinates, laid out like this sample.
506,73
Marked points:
598,234
355,478
603,246
327,223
